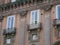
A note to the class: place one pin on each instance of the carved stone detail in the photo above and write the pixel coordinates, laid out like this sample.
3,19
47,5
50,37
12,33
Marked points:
1,18
47,7
23,13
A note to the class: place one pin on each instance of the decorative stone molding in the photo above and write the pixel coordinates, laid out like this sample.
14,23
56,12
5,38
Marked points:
27,8
1,18
23,13
31,7
47,7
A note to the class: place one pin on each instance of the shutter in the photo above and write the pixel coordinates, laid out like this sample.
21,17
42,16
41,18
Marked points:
12,21
8,22
32,17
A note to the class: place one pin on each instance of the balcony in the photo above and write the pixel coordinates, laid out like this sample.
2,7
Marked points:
35,26
56,22
9,31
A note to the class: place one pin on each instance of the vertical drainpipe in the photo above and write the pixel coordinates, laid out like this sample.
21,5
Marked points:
1,18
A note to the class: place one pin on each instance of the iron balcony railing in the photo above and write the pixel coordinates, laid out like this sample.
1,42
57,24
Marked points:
9,31
56,22
34,26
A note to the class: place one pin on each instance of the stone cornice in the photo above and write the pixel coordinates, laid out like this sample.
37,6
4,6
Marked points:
27,8
45,6
23,13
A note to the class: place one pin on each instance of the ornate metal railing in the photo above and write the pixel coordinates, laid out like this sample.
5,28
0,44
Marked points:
9,31
35,26
56,22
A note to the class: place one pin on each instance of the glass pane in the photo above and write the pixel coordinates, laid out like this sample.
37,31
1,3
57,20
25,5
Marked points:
9,22
12,22
36,15
58,12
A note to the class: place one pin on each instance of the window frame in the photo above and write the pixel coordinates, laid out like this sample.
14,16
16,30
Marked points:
7,26
38,15
57,11
31,37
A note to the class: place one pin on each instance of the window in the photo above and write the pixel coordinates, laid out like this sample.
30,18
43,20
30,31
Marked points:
10,21
34,36
34,17
13,0
58,12
8,41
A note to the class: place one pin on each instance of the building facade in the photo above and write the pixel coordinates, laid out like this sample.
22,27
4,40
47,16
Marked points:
29,22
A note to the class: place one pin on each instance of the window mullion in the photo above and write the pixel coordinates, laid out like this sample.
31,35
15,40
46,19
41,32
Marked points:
57,12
